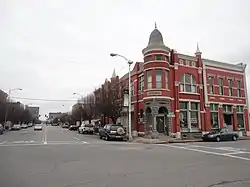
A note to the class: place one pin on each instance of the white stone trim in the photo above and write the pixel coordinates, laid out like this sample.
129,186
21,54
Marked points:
224,70
156,89
160,53
153,61
196,101
218,95
176,65
158,97
153,68
223,65
205,83
156,49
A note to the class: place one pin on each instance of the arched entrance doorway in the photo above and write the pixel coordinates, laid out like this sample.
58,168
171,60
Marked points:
161,120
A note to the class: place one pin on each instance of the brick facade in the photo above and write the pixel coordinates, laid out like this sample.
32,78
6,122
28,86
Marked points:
175,93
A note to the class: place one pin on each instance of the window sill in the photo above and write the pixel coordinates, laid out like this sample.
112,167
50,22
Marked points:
191,93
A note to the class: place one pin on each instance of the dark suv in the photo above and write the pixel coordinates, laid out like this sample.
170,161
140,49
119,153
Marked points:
112,131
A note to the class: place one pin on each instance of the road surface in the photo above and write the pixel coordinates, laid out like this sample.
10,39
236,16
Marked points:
57,157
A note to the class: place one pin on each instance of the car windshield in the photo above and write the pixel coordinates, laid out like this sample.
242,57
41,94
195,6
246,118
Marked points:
89,125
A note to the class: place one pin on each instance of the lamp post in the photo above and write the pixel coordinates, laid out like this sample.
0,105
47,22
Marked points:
129,93
6,111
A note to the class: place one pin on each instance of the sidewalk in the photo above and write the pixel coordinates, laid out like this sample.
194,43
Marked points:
167,140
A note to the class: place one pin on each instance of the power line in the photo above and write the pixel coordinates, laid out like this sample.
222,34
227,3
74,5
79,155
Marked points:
40,99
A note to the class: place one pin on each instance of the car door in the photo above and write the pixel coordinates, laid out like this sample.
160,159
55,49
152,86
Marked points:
223,134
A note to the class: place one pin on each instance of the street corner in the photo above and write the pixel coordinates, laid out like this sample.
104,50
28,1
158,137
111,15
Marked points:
149,141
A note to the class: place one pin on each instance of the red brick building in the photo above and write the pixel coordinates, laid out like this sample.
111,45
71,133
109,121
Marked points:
175,93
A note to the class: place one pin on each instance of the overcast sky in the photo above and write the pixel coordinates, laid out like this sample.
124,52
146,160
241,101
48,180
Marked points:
52,48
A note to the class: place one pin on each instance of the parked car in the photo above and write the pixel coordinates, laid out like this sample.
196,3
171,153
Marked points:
24,126
112,131
223,134
38,127
30,124
73,127
86,129
1,129
65,125
16,127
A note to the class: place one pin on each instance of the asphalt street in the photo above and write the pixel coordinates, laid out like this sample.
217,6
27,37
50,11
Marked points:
57,157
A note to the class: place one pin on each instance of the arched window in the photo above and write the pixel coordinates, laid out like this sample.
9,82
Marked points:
188,83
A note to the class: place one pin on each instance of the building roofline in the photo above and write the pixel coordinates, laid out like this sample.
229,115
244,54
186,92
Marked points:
237,67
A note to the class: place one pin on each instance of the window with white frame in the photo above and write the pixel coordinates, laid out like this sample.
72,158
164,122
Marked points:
227,108
240,117
149,79
193,63
132,88
158,57
181,61
158,78
214,116
141,84
187,62
184,114
189,114
166,79
238,88
188,83
147,58
194,115
211,84
167,58
230,87
221,86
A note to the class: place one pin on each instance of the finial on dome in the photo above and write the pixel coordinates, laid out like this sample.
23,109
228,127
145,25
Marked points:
155,25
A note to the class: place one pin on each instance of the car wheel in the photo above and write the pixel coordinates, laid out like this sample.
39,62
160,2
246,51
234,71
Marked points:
234,138
107,138
100,137
217,139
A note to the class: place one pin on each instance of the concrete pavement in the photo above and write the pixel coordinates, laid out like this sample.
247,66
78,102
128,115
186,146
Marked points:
57,157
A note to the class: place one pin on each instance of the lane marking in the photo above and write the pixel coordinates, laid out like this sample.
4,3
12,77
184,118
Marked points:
76,138
2,142
85,142
239,152
45,135
207,152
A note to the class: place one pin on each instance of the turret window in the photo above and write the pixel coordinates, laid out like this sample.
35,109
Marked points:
158,78
167,58
147,58
188,83
158,57
149,79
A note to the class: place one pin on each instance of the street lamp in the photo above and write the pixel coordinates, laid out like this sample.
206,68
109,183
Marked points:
129,93
6,111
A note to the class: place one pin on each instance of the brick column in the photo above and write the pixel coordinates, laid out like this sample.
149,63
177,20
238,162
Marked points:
208,124
246,121
221,118
235,120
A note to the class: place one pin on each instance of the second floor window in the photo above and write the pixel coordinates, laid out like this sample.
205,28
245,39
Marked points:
158,78
141,84
230,87
149,79
166,79
238,88
211,84
188,83
221,86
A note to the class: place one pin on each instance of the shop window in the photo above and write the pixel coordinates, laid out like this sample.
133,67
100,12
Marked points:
158,78
214,120
189,114
188,84
240,116
194,115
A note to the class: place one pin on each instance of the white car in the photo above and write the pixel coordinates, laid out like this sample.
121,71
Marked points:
86,129
38,127
24,126
16,127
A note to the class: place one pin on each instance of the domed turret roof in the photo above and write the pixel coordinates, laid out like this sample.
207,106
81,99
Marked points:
155,41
